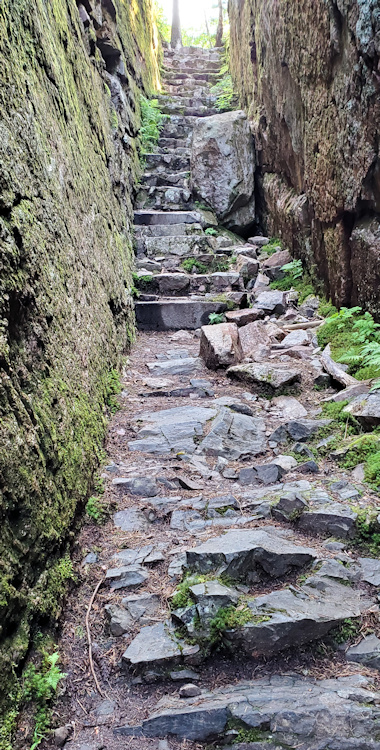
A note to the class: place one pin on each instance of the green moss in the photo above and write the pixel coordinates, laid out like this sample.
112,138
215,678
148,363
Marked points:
348,630
246,734
52,586
182,596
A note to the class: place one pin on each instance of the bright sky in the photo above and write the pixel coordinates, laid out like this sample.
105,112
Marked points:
192,12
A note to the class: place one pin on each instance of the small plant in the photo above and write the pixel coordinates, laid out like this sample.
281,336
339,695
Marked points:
274,246
216,318
182,596
152,121
96,510
348,630
191,263
211,232
226,99
39,688
294,269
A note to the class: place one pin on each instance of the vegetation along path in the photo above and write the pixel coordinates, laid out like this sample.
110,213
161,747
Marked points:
229,573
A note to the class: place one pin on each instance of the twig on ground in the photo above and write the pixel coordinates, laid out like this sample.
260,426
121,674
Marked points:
89,639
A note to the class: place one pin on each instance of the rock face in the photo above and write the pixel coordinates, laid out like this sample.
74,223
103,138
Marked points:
68,153
308,74
223,167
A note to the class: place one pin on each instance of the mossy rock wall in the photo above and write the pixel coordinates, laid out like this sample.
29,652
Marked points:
308,73
70,78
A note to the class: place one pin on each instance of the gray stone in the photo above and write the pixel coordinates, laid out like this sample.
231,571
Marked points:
181,675
333,519
247,554
189,691
90,559
212,596
120,620
172,429
175,366
244,317
278,259
272,303
246,266
370,570
126,577
259,241
263,474
62,734
234,435
299,430
365,408
144,486
131,519
286,463
142,607
289,507
366,652
296,338
297,710
295,616
302,450
257,335
158,646
223,166
264,375
309,467
220,345
176,313
290,408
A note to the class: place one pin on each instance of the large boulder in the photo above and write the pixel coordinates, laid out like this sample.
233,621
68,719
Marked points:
223,167
220,345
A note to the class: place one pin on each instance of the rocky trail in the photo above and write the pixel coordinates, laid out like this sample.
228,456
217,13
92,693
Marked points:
232,601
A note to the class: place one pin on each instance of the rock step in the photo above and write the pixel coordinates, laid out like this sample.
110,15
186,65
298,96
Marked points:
168,230
210,78
154,218
168,162
172,144
184,100
166,198
191,66
198,110
160,177
287,710
188,87
179,127
181,246
175,314
179,284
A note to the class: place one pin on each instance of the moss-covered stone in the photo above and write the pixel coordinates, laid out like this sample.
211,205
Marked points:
69,101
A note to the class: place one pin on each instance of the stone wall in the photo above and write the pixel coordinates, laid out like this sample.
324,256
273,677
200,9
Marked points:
308,73
69,116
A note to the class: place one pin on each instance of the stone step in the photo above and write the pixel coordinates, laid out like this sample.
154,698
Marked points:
157,179
167,162
176,314
198,110
282,710
178,127
172,76
166,218
189,87
180,245
166,198
180,284
170,146
182,100
168,230
191,66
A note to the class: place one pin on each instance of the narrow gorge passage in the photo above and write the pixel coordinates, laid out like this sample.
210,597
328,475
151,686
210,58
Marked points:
272,637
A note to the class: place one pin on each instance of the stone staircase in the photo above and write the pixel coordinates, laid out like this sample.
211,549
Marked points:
170,227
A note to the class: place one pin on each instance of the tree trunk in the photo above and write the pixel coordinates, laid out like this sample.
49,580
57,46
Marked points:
176,40
219,30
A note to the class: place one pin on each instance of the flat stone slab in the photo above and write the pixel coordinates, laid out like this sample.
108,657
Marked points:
171,429
270,376
157,646
249,554
289,407
271,302
366,652
175,314
131,519
366,408
299,430
289,710
370,570
333,519
234,435
143,486
175,366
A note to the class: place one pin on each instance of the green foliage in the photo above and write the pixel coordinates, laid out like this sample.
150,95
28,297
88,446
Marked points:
326,308
368,529
354,339
274,246
113,387
348,630
216,266
164,28
295,278
228,618
294,269
226,99
152,121
39,688
245,734
211,232
182,596
216,318
97,510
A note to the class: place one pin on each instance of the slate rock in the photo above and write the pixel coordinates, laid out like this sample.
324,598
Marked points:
296,710
365,408
290,408
131,519
268,376
296,616
130,576
256,335
156,646
332,519
289,507
296,338
366,652
175,366
298,429
286,463
309,467
247,554
272,303
233,436
243,317
143,486
184,674
303,450
370,570
277,259
120,620
142,607
262,474
247,267
220,345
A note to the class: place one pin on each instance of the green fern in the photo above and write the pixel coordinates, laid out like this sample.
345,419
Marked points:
371,354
